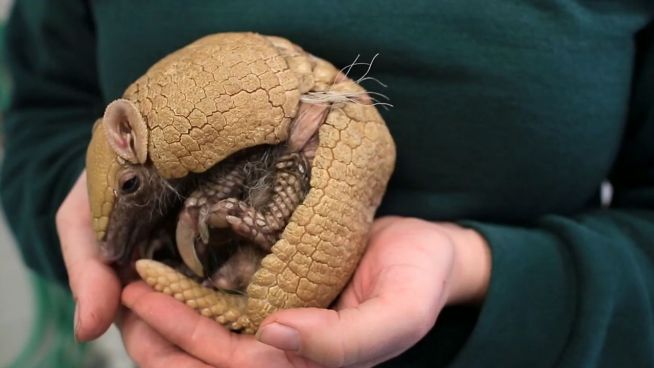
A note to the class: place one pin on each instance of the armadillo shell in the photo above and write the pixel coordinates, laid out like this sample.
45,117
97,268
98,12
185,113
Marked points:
227,92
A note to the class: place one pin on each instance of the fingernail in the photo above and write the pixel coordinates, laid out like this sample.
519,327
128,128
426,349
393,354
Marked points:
76,322
279,336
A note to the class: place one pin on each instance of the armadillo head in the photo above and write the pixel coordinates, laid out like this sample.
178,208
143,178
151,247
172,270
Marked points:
122,184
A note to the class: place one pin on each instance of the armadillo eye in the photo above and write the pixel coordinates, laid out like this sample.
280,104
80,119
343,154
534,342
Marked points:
130,185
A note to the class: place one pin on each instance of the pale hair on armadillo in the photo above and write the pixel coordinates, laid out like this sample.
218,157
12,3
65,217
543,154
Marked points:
260,170
331,96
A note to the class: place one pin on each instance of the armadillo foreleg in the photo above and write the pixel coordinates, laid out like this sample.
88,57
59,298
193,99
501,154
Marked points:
192,233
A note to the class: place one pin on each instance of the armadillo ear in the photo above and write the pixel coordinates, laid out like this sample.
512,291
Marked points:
126,130
306,124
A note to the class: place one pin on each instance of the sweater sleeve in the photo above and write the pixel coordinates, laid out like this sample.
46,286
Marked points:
54,101
578,291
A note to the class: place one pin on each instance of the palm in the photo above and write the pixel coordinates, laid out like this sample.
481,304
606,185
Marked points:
394,261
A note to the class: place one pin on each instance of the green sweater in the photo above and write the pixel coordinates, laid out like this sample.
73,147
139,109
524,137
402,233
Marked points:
508,116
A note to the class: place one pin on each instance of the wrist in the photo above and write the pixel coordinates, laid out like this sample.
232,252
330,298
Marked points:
471,270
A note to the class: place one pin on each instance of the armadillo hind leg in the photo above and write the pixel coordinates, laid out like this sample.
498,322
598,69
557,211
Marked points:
192,233
218,185
226,309
235,274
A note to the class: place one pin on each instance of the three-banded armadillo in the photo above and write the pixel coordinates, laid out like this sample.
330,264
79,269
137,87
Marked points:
203,108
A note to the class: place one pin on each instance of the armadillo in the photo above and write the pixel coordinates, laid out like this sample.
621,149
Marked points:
193,112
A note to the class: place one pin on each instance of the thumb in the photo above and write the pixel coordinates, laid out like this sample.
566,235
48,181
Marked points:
95,286
370,333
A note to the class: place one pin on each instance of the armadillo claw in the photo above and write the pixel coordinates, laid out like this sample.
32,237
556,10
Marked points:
226,309
185,237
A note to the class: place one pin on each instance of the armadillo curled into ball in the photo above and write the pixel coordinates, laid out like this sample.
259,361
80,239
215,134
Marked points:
243,173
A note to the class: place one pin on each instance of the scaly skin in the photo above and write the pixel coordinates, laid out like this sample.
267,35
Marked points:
227,92
288,189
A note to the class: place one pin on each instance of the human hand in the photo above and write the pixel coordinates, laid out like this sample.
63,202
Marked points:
94,284
410,270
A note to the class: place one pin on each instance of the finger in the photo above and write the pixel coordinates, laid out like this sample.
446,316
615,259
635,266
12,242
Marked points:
94,284
382,223
195,334
362,336
149,349
97,298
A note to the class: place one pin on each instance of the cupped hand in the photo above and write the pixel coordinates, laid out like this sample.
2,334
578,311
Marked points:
94,284
410,270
